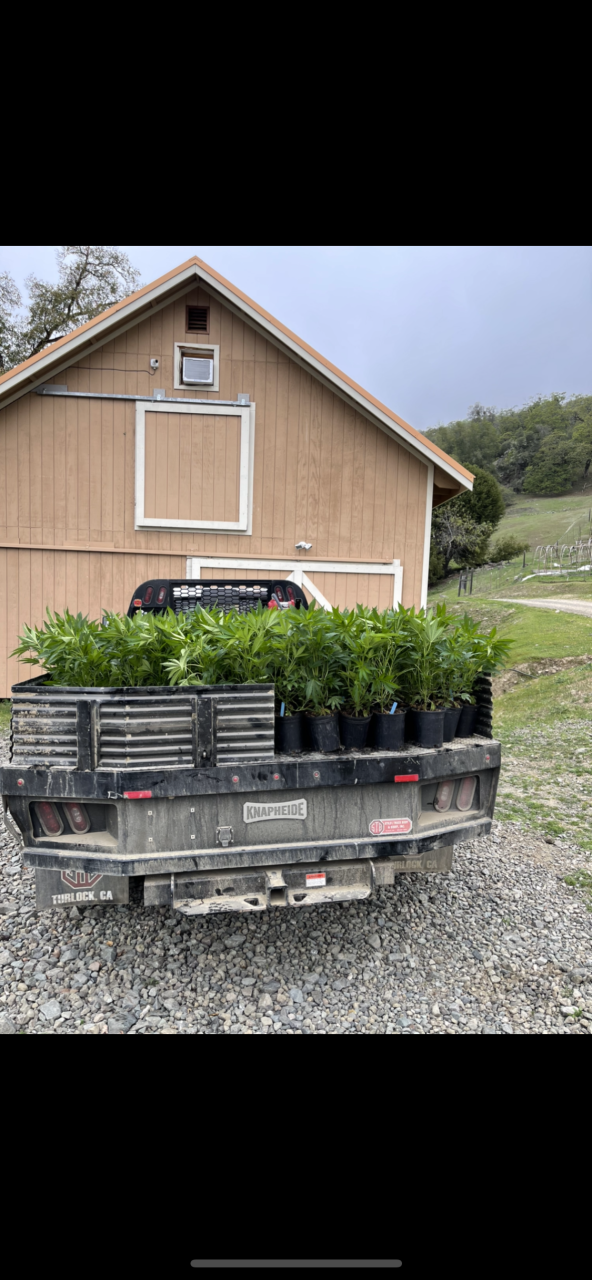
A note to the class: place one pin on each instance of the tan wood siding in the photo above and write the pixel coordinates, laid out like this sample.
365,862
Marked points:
192,466
86,582
346,590
322,472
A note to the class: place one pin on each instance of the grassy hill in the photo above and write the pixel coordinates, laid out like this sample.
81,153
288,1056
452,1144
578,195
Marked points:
547,520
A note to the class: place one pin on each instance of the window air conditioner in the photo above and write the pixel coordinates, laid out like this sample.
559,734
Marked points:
197,371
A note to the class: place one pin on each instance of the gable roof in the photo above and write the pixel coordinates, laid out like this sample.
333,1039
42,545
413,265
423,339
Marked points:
53,358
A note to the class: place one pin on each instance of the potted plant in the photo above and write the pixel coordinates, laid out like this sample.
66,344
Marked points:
479,652
321,674
453,658
360,646
387,730
427,646
288,671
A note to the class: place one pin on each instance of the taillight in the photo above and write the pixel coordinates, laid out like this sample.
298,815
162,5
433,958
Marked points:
137,604
291,595
279,593
161,597
466,791
444,796
77,817
149,594
49,818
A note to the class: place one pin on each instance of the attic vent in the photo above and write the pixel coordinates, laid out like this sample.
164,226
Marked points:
198,320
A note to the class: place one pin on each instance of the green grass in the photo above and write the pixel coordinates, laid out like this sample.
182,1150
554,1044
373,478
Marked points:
536,633
547,520
4,716
537,521
513,580
545,726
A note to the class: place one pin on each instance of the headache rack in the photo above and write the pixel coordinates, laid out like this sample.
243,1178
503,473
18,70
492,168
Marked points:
184,594
140,728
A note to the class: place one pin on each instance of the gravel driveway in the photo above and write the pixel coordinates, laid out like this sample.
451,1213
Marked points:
583,607
501,945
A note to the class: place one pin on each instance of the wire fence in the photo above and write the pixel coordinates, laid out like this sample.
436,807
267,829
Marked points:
556,560
568,561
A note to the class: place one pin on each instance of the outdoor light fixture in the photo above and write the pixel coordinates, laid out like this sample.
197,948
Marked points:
303,546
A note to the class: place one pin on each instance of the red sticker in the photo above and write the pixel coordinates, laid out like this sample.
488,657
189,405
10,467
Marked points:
137,795
390,826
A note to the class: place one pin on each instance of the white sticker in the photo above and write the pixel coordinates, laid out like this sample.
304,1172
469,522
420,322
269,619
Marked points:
271,812
390,826
316,878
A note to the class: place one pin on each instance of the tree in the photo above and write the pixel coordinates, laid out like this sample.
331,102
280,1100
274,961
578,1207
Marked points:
456,537
507,443
91,278
485,505
518,455
556,466
475,443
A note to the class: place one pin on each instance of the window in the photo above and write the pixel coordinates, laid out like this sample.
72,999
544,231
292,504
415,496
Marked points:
197,320
196,367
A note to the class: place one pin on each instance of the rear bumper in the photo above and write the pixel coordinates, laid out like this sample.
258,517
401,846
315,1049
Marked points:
253,856
203,893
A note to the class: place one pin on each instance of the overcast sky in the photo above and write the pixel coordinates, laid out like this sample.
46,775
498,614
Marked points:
429,330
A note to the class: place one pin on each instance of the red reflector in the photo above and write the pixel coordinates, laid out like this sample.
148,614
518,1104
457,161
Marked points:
161,595
137,604
137,795
77,817
49,818
149,594
406,777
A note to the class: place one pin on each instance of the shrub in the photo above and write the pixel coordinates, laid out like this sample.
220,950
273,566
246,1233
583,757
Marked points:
508,548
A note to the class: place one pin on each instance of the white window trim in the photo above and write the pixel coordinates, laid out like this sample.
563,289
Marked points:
203,348
246,413
296,572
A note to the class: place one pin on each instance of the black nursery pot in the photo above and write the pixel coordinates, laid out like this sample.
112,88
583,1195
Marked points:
467,722
289,733
426,728
354,731
451,719
388,731
323,732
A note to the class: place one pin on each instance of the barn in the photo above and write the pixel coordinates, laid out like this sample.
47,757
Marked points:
186,432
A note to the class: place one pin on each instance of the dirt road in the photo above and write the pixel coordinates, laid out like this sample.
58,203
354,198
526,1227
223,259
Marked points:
583,607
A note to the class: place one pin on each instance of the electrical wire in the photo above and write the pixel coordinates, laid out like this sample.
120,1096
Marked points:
87,369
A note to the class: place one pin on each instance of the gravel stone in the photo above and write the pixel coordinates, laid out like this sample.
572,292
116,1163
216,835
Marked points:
498,946
51,1010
